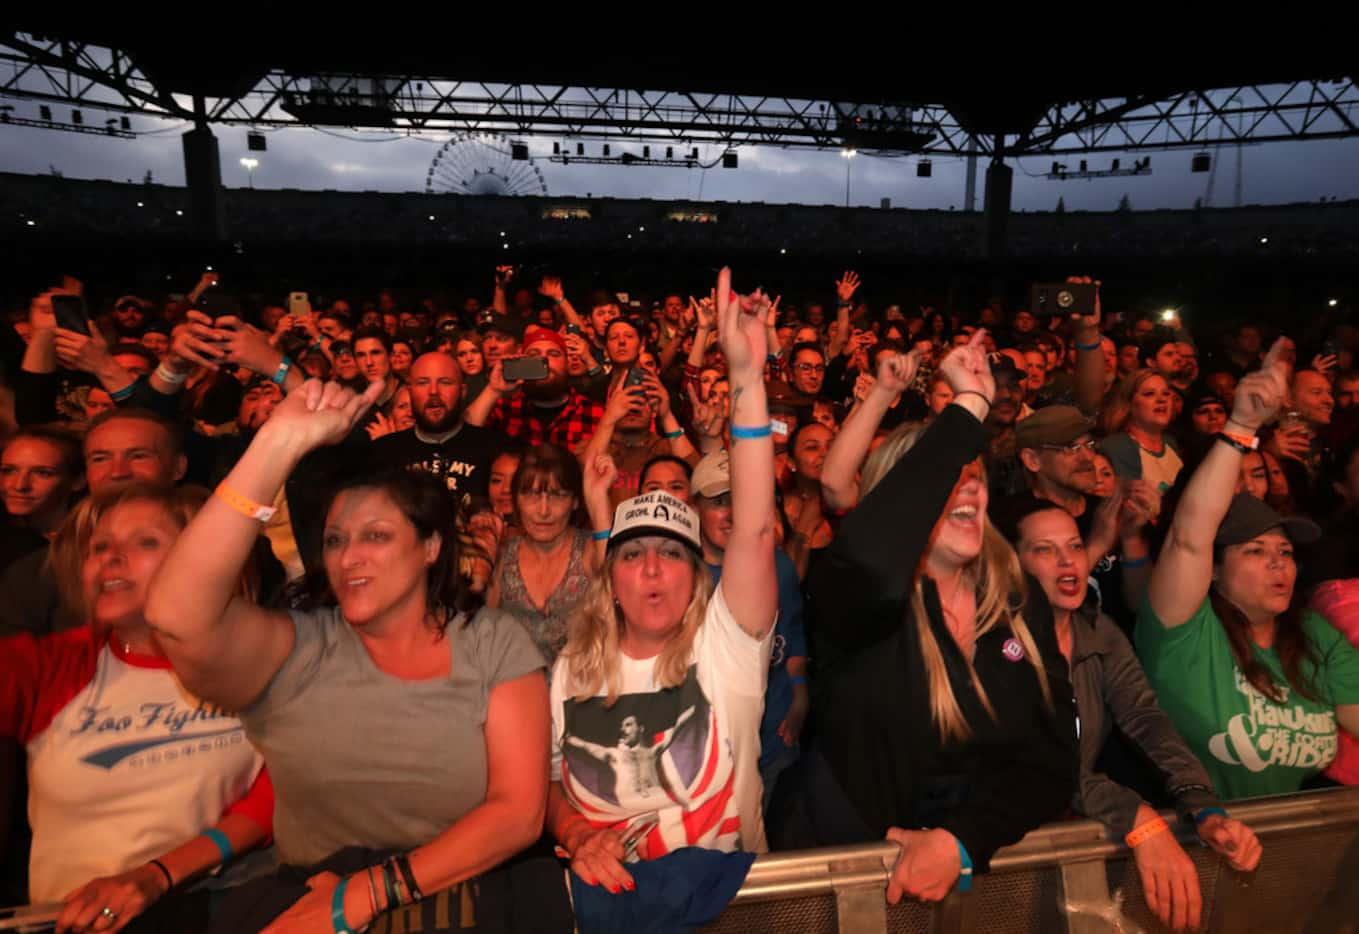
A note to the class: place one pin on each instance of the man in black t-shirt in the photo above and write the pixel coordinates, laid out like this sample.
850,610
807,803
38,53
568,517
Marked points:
441,443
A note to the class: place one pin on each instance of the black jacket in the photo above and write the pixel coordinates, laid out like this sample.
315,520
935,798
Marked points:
876,733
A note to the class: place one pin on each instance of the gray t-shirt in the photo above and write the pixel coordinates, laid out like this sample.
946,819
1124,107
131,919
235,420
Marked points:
359,757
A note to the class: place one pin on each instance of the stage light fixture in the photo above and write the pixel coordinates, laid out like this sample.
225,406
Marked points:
924,169
1201,162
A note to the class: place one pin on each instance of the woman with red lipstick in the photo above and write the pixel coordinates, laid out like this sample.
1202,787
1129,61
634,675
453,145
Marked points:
395,717
1256,684
1136,419
946,722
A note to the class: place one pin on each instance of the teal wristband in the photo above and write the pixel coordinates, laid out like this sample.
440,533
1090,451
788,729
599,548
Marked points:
1206,813
672,435
281,374
125,393
222,843
797,679
964,873
1087,346
1135,562
751,434
337,909
602,535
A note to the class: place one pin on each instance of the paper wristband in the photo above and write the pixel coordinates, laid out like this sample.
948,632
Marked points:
244,505
1145,832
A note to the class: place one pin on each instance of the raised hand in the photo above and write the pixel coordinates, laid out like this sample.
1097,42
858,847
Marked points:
847,285
896,371
1141,505
502,275
76,351
246,345
579,347
1087,326
551,286
967,370
316,414
379,426
703,312
1323,363
625,400
40,313
657,395
1261,394
708,419
195,342
772,319
599,478
499,385
740,329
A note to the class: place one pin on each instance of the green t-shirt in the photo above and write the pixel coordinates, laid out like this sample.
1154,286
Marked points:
1250,745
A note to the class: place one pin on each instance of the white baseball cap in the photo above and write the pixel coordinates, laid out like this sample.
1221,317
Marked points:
655,513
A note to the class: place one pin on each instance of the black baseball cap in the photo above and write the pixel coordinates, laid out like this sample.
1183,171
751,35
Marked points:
1248,517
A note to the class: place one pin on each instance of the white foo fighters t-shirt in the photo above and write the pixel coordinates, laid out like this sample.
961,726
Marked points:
123,763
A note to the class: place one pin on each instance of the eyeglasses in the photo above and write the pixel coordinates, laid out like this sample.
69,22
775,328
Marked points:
810,367
1073,448
555,496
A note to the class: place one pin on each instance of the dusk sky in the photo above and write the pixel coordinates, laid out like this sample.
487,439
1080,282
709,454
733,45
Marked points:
367,160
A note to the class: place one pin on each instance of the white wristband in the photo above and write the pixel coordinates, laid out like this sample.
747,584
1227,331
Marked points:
171,377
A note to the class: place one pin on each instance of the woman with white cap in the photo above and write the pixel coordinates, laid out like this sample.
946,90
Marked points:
658,695
1254,682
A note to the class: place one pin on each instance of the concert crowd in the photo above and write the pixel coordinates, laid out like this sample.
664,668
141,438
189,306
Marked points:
550,612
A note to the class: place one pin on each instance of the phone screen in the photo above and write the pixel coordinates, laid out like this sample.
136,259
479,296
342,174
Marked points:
69,311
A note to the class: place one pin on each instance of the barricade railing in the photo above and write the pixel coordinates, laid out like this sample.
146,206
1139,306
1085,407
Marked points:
1069,877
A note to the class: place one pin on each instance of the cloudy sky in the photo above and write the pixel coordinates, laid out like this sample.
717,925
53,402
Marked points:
362,160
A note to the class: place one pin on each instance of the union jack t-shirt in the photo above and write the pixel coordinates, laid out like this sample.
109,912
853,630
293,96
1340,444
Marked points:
671,767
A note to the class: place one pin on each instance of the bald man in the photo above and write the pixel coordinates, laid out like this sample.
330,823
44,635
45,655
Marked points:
441,442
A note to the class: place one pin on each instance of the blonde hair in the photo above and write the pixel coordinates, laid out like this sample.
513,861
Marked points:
1000,594
593,654
1117,407
66,556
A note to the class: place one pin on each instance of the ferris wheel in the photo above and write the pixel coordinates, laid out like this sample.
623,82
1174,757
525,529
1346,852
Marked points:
482,164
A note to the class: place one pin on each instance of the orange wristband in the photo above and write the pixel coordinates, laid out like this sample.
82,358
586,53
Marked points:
1145,831
1250,441
243,504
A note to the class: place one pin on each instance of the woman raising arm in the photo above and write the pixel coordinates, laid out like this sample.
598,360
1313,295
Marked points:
454,785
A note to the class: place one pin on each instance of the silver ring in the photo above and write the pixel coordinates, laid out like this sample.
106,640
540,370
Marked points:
108,912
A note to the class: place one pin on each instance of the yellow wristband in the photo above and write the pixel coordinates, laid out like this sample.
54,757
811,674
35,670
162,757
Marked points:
243,504
1145,831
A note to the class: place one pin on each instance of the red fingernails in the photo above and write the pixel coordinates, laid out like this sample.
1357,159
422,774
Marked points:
630,885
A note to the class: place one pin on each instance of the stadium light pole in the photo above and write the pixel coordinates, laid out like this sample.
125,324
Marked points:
250,166
848,155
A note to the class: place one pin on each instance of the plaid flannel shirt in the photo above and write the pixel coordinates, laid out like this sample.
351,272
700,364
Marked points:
572,427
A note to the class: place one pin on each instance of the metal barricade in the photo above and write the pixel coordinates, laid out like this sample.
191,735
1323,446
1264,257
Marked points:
1069,877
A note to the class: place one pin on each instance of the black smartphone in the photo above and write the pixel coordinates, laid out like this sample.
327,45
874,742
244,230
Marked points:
1049,299
70,313
526,369
219,305
1331,348
575,329
636,377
